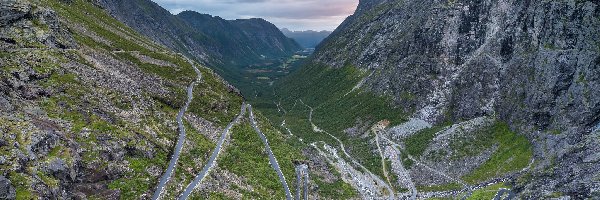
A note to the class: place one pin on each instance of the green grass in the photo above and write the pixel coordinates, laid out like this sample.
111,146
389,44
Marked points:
193,157
138,182
436,188
246,157
22,184
183,73
336,190
97,20
417,143
486,193
48,180
213,100
406,161
513,154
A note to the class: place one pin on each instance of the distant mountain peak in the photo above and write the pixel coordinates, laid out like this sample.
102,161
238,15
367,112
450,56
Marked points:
308,38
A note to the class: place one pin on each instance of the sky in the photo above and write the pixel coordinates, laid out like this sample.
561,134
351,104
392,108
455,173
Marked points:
295,15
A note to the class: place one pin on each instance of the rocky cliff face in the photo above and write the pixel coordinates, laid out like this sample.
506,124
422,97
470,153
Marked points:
532,64
213,40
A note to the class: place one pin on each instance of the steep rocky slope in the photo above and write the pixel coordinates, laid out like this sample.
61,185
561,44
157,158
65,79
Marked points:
531,67
88,110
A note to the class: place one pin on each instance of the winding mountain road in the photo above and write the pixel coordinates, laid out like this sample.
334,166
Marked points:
343,148
211,161
169,172
272,158
302,177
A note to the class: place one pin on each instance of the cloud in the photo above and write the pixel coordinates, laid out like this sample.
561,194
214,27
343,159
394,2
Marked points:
292,14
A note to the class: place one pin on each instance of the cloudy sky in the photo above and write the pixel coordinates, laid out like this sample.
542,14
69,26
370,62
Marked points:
292,14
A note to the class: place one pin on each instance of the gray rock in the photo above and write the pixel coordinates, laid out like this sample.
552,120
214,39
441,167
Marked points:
12,10
5,105
57,165
592,158
7,191
408,128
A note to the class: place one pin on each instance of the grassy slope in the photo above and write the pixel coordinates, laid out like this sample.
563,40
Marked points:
210,98
209,95
214,101
513,154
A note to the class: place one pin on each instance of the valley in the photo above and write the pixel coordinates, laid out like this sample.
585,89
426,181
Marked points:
115,99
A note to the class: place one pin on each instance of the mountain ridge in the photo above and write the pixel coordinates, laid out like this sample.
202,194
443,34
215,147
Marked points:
307,39
185,33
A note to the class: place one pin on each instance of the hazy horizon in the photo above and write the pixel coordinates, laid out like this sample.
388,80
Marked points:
294,15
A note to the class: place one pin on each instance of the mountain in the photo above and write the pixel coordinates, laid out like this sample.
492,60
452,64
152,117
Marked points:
504,93
243,40
92,109
212,40
307,39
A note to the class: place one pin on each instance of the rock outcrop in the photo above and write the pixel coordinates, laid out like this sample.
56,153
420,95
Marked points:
7,191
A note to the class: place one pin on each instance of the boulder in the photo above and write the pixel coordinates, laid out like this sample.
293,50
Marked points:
7,191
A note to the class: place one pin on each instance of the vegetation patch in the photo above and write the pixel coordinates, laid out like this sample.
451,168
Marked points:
138,182
513,154
417,143
336,190
246,156
437,188
22,184
192,160
487,192
214,101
